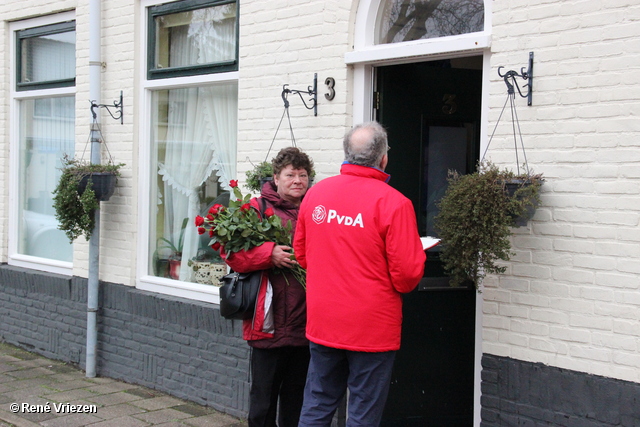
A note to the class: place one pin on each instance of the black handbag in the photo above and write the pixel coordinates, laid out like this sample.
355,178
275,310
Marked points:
238,294
239,291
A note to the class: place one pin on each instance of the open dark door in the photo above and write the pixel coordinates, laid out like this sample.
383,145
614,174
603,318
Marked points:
431,111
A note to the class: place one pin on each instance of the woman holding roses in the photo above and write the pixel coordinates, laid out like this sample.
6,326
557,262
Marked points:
280,349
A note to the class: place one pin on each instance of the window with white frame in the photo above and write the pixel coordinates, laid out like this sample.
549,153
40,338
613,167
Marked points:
43,114
192,97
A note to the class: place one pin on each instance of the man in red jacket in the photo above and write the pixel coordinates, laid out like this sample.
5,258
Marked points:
357,237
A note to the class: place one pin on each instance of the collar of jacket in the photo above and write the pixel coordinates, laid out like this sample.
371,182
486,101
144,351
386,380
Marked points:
364,171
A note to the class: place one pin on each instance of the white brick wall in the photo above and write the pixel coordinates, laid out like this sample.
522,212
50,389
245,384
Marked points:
286,42
119,49
572,298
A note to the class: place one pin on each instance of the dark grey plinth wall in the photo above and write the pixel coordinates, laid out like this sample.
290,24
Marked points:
517,393
174,345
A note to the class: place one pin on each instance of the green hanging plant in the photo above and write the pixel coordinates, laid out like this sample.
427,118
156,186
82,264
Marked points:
260,171
74,205
475,218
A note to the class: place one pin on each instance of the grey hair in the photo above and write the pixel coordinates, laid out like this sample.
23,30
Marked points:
369,146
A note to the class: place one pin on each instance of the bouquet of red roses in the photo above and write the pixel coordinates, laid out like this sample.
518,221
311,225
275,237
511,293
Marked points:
240,227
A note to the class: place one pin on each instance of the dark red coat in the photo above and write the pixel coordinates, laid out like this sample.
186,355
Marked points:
289,299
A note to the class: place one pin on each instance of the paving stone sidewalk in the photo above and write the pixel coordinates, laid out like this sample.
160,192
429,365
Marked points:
54,394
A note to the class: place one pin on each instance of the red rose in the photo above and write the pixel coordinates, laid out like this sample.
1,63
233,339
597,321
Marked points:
268,212
216,246
233,183
211,232
216,209
201,230
245,207
210,217
199,221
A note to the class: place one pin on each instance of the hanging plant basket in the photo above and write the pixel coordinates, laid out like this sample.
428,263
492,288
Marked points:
75,201
103,184
521,189
263,172
259,175
475,218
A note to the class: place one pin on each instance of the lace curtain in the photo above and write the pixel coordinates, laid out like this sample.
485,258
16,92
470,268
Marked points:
201,134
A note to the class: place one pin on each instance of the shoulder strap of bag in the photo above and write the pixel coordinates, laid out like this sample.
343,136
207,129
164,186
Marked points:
262,206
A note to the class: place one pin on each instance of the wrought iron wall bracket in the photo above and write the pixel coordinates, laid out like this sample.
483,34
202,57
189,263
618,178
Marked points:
512,84
117,115
311,91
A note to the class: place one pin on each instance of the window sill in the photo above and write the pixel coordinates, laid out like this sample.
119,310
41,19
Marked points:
194,291
42,264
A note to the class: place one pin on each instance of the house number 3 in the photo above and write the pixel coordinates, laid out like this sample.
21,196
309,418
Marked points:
450,106
330,82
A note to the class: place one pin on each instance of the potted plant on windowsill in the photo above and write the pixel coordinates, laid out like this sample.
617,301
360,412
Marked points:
169,265
476,216
82,186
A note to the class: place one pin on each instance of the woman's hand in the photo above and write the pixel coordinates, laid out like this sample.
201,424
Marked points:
281,257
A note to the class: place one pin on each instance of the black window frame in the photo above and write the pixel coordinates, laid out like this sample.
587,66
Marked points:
154,73
61,27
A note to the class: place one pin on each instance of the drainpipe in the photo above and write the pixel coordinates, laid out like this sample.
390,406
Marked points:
95,67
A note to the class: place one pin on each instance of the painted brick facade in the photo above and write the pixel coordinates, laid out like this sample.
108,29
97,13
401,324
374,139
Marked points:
570,298
288,45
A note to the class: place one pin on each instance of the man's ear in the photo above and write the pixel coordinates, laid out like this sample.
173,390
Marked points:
384,162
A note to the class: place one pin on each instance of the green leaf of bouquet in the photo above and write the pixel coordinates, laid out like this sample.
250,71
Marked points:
237,193
275,220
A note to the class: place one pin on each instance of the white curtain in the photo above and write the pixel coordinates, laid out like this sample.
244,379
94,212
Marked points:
201,136
46,134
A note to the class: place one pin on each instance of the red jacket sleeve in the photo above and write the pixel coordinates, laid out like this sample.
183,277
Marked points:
256,258
404,250
299,248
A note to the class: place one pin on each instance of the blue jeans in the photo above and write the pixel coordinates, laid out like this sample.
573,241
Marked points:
332,371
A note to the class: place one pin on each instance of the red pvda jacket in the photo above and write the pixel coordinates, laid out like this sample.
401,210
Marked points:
357,236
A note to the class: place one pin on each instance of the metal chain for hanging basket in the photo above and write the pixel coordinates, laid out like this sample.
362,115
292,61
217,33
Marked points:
510,75
286,111
95,125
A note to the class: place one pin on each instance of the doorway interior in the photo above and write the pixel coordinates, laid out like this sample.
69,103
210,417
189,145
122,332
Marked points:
432,113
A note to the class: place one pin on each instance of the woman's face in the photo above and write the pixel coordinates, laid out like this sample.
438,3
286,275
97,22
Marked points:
292,184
